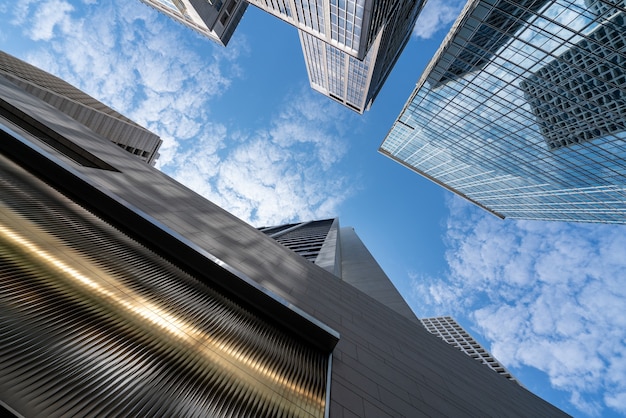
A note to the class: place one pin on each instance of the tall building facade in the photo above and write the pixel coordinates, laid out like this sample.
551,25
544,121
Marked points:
81,107
522,111
446,328
349,47
340,251
215,19
580,97
125,293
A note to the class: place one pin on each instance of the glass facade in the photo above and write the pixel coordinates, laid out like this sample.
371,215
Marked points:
349,46
352,81
337,74
346,21
527,122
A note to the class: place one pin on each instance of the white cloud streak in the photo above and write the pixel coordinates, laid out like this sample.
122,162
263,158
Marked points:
123,53
48,16
436,16
547,295
282,173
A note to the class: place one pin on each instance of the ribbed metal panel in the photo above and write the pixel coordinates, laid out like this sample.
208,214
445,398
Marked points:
94,324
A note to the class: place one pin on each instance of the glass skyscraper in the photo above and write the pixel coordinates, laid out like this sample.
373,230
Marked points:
523,110
350,58
349,46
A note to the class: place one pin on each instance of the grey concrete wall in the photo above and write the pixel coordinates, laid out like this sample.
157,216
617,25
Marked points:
360,269
80,106
329,257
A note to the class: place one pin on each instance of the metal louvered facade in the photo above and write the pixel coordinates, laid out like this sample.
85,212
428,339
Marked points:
94,323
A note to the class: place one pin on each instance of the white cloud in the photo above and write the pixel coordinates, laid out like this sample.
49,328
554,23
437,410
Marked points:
283,173
47,16
436,15
617,402
122,53
547,295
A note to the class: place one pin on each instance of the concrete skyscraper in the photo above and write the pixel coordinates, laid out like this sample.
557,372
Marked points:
340,251
83,108
215,19
124,293
450,331
522,111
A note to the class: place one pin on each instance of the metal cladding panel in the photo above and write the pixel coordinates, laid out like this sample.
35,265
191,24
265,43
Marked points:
94,323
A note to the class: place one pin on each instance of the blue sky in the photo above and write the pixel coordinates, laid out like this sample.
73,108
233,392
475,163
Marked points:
242,127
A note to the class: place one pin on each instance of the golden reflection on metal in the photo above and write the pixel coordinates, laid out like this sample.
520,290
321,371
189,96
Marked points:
78,273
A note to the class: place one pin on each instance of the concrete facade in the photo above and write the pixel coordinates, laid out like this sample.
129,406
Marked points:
453,333
383,364
340,251
217,20
83,108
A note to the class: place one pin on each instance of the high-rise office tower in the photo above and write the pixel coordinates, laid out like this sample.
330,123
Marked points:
350,47
124,293
450,331
522,111
215,19
83,108
340,251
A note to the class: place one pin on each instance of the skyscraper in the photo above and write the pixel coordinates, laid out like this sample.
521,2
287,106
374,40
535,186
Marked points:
215,19
349,47
340,251
450,331
86,110
125,293
580,97
522,111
